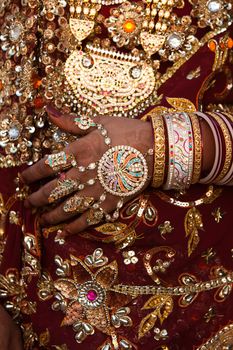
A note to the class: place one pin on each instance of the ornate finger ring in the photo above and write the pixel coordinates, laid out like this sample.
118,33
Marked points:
60,161
95,216
78,204
64,188
84,122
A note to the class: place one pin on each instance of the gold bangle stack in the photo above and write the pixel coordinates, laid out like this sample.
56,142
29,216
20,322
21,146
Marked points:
159,149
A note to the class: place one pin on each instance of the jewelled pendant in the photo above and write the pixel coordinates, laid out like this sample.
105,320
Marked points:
151,43
81,28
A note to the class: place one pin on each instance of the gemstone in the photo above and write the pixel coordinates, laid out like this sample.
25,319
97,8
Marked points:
214,6
135,72
15,32
174,41
13,133
92,295
129,26
87,61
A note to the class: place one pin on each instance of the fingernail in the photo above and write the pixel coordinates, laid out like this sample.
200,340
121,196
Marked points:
53,111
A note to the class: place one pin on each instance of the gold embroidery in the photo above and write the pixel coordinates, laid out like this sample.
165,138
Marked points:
223,339
192,224
217,214
86,298
162,305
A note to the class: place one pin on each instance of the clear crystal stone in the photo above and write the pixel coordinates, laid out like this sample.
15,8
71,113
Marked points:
13,133
91,182
107,141
174,41
213,6
135,72
87,61
15,32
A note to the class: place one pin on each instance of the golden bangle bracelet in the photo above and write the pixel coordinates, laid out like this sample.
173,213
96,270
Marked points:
159,150
197,148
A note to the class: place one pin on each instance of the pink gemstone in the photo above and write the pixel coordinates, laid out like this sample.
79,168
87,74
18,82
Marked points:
91,295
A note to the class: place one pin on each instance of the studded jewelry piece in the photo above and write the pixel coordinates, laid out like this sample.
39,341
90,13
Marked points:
77,204
94,216
64,188
84,123
123,76
60,161
197,164
122,171
180,144
159,149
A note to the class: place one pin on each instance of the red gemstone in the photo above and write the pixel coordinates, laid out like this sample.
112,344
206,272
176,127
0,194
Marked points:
91,295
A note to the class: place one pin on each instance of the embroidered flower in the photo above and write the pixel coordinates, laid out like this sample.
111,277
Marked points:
213,13
180,39
16,34
125,23
87,300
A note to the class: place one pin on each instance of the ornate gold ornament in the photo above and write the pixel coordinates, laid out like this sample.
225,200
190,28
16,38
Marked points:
108,82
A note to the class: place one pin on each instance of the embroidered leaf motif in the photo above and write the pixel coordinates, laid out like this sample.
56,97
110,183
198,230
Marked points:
67,288
163,306
44,338
80,271
223,292
111,228
99,319
193,223
107,275
74,313
147,324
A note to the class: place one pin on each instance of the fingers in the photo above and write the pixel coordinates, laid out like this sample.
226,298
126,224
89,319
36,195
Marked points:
83,151
87,219
40,198
70,123
59,215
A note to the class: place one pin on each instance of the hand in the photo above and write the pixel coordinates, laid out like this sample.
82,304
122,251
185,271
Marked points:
87,149
10,338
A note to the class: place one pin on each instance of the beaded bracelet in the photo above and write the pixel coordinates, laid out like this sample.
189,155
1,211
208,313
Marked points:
159,150
180,149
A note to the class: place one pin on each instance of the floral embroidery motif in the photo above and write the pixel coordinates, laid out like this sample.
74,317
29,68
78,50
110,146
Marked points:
87,299
125,23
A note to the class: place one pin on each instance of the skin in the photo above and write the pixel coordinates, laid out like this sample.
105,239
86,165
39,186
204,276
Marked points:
10,337
87,149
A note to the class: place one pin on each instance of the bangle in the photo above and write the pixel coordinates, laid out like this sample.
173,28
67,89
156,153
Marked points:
180,150
228,177
221,120
159,150
216,137
197,164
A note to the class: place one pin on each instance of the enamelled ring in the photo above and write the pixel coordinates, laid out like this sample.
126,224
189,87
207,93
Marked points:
60,161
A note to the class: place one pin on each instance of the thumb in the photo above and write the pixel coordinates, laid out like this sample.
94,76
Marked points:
71,123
